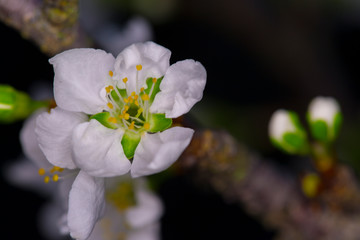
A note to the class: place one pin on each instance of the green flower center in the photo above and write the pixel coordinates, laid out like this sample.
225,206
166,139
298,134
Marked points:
132,112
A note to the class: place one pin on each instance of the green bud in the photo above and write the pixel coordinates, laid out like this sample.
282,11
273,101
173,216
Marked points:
16,105
324,118
287,133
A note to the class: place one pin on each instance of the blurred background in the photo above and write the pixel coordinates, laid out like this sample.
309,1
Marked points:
260,55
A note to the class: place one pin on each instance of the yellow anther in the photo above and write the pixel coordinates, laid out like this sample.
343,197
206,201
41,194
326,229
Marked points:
46,179
147,126
110,105
136,102
132,125
41,171
138,67
125,79
145,97
126,107
126,116
109,88
111,73
136,97
112,120
154,80
142,89
133,93
130,99
55,178
126,100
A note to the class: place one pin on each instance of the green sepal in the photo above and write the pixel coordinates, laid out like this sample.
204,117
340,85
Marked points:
295,141
320,130
129,142
156,89
103,119
158,122
337,123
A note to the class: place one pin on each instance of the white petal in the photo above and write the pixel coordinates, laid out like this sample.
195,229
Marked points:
181,88
30,143
54,133
148,210
98,150
86,205
150,232
80,75
156,152
153,58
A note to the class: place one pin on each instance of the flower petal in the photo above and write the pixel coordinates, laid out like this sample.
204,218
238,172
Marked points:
156,152
148,209
54,133
149,232
153,58
80,75
181,88
98,150
30,143
86,205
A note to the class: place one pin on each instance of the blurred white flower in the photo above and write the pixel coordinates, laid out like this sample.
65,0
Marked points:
112,110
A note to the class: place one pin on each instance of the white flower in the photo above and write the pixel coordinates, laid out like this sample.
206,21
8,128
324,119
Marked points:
286,132
324,117
132,212
112,110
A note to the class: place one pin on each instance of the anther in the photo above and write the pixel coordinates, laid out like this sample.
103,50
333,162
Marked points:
142,89
41,171
46,179
110,105
125,79
112,120
126,108
111,73
55,177
154,80
147,126
132,125
145,97
138,67
126,116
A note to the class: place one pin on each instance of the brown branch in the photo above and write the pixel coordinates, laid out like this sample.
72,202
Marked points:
273,194
51,24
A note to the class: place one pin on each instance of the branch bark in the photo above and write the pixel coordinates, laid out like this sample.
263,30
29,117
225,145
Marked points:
51,24
273,194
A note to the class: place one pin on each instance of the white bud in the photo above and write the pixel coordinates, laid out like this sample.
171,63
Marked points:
286,132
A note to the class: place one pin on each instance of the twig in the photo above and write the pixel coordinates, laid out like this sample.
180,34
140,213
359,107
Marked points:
51,24
272,194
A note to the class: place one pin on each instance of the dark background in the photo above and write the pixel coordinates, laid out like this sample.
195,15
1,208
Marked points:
259,56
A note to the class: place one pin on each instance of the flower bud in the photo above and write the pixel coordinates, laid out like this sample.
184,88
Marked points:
16,105
325,118
286,132
310,185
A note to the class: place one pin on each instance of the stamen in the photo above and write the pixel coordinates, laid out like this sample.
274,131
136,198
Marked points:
132,125
138,67
126,116
46,179
41,171
142,89
111,73
136,103
140,110
126,108
110,105
154,80
147,126
125,79
55,178
145,97
112,120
